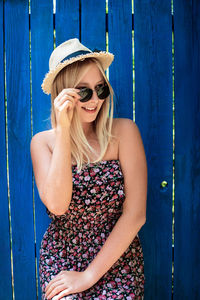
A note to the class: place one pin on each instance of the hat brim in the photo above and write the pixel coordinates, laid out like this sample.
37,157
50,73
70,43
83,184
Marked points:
105,59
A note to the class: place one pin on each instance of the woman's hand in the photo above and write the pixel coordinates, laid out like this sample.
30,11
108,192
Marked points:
64,105
67,283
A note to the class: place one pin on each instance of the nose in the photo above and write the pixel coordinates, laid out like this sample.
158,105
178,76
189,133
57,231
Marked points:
94,96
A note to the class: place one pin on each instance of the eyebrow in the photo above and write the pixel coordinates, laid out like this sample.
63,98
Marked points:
86,83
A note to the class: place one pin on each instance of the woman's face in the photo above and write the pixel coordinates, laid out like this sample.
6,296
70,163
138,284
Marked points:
91,79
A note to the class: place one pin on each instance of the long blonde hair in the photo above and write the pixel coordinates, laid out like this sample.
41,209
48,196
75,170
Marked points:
81,150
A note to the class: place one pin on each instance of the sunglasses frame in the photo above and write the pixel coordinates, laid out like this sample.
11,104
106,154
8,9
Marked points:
96,89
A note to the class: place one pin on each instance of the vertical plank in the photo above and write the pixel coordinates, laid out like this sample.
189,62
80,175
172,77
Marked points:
120,44
153,105
5,257
41,48
19,134
187,150
66,20
93,24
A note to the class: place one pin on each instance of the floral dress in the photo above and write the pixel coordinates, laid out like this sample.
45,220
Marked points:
73,240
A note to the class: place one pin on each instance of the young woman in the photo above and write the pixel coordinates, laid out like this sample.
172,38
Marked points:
91,174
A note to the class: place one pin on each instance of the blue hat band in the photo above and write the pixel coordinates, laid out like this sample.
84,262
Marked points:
77,53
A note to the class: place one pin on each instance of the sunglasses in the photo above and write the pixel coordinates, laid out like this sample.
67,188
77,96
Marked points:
102,91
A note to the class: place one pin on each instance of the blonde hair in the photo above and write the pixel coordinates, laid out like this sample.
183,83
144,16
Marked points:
81,150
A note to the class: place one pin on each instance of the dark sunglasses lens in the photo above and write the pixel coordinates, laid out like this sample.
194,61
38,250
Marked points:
86,94
103,91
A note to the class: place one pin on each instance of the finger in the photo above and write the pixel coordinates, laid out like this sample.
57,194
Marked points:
62,294
56,290
56,279
52,284
71,92
63,99
74,92
67,104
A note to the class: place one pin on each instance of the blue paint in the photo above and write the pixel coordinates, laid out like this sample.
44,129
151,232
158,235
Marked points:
41,48
67,20
19,136
120,44
153,110
187,149
5,258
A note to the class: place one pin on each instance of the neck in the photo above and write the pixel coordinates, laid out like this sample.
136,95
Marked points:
88,129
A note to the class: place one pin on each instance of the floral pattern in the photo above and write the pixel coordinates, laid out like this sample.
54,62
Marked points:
73,240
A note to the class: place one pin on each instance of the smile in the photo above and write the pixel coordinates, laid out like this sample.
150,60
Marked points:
90,109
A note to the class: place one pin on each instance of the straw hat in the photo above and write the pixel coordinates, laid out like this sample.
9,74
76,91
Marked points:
67,53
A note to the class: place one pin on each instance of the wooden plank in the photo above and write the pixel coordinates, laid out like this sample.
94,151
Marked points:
120,44
153,104
66,20
19,135
41,48
93,24
5,257
187,150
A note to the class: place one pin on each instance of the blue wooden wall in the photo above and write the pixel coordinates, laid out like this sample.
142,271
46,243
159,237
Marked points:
153,105
163,79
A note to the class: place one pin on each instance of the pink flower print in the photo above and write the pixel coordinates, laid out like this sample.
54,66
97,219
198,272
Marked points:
44,243
56,235
109,285
63,253
49,262
120,192
127,269
113,284
76,237
74,241
99,182
83,193
97,240
92,173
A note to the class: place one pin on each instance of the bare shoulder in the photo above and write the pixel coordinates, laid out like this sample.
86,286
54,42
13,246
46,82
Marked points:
124,126
134,168
43,139
122,129
131,149
41,153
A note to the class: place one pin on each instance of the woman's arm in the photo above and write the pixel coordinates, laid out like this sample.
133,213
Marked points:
53,171
133,163
53,174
